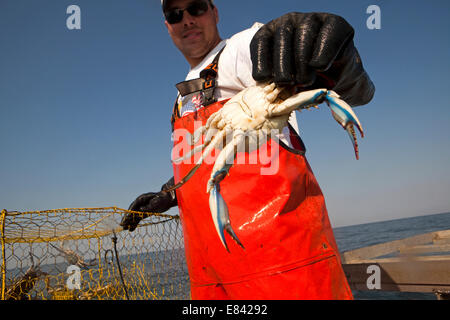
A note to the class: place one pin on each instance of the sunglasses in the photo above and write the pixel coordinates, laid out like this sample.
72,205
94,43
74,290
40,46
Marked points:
195,9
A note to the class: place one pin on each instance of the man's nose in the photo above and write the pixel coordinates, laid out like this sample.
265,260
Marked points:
188,19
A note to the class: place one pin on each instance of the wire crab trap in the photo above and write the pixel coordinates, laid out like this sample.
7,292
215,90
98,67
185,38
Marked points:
82,253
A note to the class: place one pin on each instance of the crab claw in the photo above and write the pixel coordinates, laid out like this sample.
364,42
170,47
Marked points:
221,218
345,116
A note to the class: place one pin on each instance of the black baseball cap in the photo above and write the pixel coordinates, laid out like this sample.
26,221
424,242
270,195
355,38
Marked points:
165,3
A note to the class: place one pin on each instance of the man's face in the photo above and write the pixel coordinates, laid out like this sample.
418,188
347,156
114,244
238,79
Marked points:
195,37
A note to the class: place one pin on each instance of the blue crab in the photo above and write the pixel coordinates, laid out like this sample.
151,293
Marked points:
263,108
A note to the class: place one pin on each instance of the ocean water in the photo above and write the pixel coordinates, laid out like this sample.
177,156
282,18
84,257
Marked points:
358,236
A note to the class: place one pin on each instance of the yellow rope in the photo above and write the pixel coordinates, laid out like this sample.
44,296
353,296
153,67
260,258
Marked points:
2,226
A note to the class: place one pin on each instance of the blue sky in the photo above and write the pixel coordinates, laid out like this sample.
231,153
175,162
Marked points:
85,113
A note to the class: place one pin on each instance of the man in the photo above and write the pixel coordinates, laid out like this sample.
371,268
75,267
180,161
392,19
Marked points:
288,250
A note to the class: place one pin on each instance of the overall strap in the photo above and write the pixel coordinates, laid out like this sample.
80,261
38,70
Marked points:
209,74
206,84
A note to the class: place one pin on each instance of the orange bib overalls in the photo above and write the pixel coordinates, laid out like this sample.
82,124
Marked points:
281,219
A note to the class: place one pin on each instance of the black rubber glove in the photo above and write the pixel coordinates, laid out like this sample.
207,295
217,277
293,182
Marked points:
157,202
311,50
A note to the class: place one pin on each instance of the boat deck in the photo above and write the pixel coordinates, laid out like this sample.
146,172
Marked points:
417,264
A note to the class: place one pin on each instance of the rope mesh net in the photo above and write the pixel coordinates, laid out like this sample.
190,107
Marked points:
70,254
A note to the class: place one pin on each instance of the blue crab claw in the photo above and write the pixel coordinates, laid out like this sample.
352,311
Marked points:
340,110
345,116
219,211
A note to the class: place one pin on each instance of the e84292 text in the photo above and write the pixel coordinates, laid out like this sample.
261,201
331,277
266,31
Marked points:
246,309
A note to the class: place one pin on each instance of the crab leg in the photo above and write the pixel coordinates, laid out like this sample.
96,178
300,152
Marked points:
224,162
217,205
209,146
300,100
220,215
345,116
194,139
